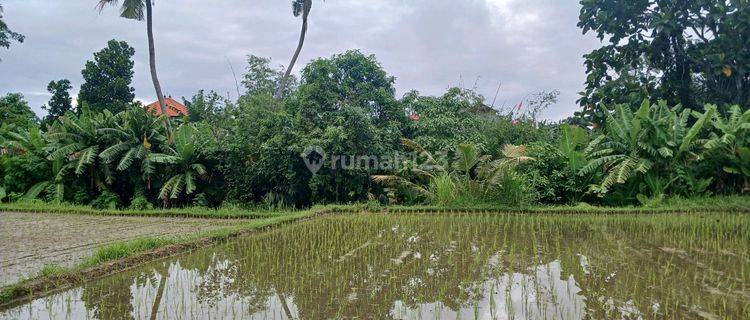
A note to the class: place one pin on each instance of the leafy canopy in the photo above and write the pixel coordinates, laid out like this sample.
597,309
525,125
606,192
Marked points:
7,35
15,111
61,102
685,52
108,79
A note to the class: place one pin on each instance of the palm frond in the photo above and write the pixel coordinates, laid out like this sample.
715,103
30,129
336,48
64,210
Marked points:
65,151
87,157
199,168
178,186
166,189
110,153
163,158
35,190
127,160
696,128
189,182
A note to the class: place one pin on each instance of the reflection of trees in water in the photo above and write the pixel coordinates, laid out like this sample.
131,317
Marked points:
362,267
112,298
370,266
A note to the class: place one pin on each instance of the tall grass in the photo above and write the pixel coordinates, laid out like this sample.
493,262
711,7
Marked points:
225,212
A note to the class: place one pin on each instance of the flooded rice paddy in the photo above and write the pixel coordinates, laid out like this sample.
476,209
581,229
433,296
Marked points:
472,266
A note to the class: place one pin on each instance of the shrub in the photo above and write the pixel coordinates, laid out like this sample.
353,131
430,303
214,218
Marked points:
200,200
140,203
107,200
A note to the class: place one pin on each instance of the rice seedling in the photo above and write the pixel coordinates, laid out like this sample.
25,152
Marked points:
440,266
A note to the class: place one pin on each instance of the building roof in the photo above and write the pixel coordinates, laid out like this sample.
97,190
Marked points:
174,108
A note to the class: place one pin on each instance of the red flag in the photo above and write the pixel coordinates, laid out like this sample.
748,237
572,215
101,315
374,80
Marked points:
520,105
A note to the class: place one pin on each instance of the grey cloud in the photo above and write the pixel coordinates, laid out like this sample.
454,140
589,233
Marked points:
428,45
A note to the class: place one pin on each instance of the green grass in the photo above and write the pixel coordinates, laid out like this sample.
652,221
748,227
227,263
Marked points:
51,270
192,212
675,205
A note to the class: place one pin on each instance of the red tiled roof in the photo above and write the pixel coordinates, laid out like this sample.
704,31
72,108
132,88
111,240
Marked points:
174,108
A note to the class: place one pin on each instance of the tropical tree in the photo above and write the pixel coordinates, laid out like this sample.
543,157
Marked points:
55,183
6,35
77,140
183,158
261,79
470,176
652,145
23,158
730,144
15,111
60,103
135,135
134,9
686,52
299,7
108,79
23,141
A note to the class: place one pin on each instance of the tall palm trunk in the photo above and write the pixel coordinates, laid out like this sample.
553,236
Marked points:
159,294
152,64
303,33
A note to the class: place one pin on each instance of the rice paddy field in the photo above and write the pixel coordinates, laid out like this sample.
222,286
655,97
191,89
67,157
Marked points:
458,266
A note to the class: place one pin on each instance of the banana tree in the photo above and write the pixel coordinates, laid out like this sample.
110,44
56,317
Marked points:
572,140
470,172
22,141
58,193
731,143
136,135
184,158
652,142
76,140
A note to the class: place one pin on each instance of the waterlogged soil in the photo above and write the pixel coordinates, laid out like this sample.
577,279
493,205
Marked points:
440,267
29,241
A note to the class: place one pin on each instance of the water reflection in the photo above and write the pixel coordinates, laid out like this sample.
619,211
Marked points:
410,268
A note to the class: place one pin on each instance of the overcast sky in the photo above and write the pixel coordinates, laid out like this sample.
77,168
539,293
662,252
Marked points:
428,45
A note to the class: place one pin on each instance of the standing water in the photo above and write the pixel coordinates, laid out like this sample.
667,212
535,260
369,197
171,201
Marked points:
467,266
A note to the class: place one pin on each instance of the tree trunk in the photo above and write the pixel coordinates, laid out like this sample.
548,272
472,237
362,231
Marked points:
303,33
152,65
159,293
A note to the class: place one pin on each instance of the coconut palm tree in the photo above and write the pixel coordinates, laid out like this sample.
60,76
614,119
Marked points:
134,9
299,7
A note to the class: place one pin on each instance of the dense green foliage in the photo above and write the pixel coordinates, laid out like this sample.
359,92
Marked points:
691,53
60,102
108,78
15,111
454,150
665,116
7,35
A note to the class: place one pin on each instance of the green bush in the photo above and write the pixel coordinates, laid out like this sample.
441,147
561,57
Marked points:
107,200
140,203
